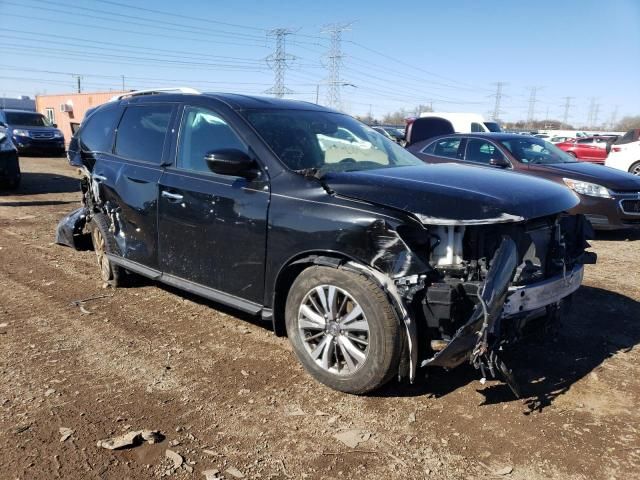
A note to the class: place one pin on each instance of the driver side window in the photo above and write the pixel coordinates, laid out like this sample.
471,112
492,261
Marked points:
203,131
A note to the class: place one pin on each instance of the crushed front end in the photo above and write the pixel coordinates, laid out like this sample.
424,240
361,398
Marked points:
491,284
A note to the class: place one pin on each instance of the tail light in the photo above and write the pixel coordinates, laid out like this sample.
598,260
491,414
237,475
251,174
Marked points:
616,149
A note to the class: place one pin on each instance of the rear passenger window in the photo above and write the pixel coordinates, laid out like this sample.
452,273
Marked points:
142,132
97,134
476,127
447,147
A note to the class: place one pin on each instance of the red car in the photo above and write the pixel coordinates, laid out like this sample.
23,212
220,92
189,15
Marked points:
587,149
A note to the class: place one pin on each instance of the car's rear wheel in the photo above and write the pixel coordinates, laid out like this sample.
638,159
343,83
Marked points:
343,329
104,243
635,168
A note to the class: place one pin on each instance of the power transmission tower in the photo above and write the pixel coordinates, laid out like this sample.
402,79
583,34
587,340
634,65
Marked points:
532,105
596,112
498,96
592,116
614,117
567,106
334,58
278,61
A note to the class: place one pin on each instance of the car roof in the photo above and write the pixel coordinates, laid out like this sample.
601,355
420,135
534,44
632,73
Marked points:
236,101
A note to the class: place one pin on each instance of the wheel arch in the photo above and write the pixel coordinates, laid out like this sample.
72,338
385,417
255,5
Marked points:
292,268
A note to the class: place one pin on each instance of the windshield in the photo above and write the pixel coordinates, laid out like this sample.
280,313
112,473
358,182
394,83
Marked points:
326,142
492,126
27,119
536,151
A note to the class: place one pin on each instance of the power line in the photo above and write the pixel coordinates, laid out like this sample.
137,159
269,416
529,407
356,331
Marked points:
278,62
334,58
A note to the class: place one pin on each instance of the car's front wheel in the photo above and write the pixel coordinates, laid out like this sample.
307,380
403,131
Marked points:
635,168
343,329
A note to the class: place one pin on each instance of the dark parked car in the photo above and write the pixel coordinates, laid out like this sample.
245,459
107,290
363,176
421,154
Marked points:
372,268
9,164
391,133
32,132
609,198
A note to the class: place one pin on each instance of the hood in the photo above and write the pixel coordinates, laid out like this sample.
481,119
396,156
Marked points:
608,177
451,194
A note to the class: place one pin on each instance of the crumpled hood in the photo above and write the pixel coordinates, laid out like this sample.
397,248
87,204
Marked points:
453,194
611,178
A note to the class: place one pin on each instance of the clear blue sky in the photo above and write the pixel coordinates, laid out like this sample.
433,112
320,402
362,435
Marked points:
397,54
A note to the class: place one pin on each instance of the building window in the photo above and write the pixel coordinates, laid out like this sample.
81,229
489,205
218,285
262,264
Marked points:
50,114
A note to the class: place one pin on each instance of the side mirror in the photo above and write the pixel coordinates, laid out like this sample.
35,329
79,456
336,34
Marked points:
54,125
232,162
499,162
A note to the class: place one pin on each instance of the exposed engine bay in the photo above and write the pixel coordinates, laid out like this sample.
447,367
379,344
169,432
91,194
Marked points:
492,284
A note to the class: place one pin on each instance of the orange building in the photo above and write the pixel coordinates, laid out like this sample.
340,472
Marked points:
68,109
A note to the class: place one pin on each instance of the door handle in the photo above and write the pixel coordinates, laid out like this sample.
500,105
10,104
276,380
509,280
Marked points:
99,178
172,196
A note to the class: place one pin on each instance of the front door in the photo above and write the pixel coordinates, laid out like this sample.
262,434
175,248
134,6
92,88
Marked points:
212,228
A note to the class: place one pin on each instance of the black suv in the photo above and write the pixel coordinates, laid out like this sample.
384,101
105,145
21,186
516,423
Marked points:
373,263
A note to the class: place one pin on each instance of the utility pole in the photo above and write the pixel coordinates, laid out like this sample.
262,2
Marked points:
122,82
567,106
334,57
498,96
596,112
78,80
278,62
532,105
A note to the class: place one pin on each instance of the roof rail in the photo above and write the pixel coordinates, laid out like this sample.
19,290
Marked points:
152,91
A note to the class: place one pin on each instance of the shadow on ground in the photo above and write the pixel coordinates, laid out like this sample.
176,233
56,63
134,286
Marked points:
33,183
597,324
619,235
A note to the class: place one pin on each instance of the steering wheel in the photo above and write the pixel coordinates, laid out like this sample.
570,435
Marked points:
347,160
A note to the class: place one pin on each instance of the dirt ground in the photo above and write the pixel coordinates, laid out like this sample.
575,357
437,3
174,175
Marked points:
230,396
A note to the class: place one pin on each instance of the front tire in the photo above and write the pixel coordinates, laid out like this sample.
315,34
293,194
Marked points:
104,242
635,168
343,329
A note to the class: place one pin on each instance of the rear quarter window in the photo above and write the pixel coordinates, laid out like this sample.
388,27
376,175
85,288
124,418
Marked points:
97,134
142,132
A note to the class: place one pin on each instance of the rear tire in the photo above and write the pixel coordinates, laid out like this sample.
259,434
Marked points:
104,242
353,346
635,168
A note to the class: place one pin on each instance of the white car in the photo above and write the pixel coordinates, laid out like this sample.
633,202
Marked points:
625,153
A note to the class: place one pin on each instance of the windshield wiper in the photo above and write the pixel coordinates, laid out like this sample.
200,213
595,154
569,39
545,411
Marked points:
316,173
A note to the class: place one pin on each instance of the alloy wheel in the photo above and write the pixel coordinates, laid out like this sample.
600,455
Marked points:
101,254
334,329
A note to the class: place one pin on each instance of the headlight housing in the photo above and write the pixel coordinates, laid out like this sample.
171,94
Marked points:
57,134
586,188
21,133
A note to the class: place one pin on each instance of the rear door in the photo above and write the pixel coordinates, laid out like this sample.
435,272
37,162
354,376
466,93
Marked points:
125,179
212,227
443,150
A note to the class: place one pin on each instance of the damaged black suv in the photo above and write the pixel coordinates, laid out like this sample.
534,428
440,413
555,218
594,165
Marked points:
371,262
